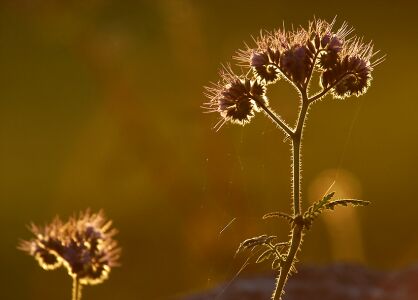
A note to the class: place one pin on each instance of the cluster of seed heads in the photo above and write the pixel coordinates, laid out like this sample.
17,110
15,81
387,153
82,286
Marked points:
84,245
344,64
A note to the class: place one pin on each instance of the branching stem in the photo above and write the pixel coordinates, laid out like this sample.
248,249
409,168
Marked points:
276,119
296,135
326,90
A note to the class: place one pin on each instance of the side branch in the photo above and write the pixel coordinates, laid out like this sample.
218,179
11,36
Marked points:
276,119
312,68
326,90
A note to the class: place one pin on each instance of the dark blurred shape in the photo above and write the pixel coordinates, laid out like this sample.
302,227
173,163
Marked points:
333,282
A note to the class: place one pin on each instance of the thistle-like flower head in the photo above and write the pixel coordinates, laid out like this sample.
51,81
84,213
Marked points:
351,74
297,53
344,64
84,245
236,98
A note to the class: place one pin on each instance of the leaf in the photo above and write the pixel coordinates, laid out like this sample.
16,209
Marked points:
344,202
315,209
328,197
276,263
264,256
255,241
278,214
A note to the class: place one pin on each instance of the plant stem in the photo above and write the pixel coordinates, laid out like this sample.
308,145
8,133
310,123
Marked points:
296,234
296,163
76,294
326,90
287,266
275,118
296,176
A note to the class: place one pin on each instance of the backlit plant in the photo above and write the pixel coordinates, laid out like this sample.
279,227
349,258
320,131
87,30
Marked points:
343,63
84,245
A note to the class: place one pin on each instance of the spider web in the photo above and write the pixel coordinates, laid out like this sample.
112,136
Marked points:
232,267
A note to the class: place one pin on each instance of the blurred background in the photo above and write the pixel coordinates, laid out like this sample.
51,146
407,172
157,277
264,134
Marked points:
100,108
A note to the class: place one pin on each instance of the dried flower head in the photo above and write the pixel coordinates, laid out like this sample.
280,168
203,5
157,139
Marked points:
84,245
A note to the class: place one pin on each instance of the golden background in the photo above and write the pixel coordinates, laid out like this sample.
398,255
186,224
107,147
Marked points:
100,108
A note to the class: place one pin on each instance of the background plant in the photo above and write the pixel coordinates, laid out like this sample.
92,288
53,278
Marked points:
344,65
84,245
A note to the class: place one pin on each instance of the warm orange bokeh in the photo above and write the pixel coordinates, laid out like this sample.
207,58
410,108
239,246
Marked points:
100,108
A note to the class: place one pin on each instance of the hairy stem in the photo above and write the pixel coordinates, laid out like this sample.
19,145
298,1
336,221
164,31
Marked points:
296,234
76,294
276,119
326,90
312,68
287,265
296,176
296,147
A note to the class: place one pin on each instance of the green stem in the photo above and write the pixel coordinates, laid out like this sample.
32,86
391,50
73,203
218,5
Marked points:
76,293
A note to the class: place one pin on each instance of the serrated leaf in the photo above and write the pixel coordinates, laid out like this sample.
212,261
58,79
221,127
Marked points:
344,202
316,209
264,256
255,241
328,197
278,214
282,244
251,242
276,264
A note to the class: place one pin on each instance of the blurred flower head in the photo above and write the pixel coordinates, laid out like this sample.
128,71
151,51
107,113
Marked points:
84,245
